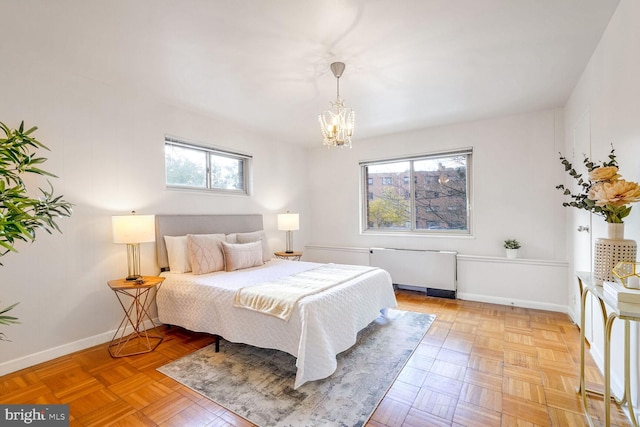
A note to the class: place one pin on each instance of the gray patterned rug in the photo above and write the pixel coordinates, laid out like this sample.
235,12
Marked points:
257,383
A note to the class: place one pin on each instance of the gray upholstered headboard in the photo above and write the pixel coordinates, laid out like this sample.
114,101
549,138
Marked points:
180,225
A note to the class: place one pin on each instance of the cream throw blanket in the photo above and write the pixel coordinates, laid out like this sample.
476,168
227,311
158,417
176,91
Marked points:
279,297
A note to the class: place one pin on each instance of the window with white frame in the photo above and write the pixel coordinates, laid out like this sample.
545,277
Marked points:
191,166
424,194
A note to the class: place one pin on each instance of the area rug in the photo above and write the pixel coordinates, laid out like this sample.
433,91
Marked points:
257,383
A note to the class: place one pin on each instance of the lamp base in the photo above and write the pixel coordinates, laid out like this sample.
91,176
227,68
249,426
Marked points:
289,249
133,262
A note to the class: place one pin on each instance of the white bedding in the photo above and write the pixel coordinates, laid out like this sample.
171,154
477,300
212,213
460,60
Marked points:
321,326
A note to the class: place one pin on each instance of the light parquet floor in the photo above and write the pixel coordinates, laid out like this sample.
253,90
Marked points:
479,365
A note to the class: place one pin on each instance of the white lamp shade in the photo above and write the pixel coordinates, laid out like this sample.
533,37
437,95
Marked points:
134,228
289,221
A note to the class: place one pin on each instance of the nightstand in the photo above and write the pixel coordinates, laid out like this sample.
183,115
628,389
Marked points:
132,337
293,256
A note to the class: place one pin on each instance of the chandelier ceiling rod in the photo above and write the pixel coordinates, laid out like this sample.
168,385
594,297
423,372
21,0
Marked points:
337,68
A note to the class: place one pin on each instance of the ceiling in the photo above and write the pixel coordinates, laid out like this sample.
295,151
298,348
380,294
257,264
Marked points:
264,64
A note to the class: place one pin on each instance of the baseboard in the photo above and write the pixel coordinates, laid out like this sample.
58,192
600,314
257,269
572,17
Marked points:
62,350
513,302
575,316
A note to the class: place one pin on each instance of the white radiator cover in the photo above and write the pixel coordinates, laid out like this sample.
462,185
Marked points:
417,268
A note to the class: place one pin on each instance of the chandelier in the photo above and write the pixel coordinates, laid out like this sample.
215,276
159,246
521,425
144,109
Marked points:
338,121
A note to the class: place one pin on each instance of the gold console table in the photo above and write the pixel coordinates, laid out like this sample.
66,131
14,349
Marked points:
588,285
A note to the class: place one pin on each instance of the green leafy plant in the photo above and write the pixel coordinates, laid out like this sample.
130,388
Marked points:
511,244
7,320
21,215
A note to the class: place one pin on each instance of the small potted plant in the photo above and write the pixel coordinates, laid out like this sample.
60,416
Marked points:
512,246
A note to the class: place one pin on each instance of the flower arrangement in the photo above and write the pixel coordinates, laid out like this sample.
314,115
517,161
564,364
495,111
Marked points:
511,244
604,193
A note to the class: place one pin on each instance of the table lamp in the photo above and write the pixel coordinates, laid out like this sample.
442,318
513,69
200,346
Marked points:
132,230
289,222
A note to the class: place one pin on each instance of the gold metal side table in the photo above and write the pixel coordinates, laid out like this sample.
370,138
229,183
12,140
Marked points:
293,256
132,337
588,285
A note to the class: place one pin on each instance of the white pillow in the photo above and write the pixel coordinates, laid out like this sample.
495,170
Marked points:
231,238
205,252
177,254
242,255
254,237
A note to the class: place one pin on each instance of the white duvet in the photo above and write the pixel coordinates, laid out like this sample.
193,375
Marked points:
321,326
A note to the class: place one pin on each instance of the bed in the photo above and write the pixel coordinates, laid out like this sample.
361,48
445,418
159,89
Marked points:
320,325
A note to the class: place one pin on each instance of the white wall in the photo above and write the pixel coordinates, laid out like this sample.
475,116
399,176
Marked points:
515,171
610,89
107,147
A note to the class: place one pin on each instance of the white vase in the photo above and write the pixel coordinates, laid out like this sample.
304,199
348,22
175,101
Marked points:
610,251
512,253
615,230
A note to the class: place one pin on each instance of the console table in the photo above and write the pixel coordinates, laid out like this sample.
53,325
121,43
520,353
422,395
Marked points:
588,285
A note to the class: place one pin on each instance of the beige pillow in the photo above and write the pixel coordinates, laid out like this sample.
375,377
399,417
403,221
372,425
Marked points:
205,252
254,237
177,254
242,255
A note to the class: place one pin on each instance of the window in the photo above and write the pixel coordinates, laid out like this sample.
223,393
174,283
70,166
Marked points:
436,200
195,167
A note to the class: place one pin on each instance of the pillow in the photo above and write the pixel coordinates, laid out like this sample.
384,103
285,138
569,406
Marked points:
242,255
231,238
205,252
254,237
177,254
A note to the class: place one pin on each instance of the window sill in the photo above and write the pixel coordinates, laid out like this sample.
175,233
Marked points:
438,235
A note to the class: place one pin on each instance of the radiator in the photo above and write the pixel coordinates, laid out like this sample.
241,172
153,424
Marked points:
433,270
